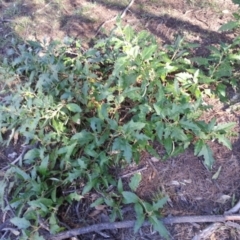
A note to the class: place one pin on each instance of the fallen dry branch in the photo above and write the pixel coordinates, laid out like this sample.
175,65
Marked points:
115,18
235,209
129,224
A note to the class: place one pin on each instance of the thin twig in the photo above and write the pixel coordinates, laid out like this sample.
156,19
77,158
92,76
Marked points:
207,232
6,20
235,209
9,205
20,157
115,18
153,167
39,10
4,235
133,172
129,224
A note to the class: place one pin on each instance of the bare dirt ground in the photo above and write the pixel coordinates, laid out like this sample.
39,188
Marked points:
191,188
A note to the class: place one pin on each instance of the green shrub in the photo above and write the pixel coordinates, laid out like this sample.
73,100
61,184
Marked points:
91,111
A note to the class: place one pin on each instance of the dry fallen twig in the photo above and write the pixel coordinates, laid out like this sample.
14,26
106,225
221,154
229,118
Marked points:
133,172
208,231
129,224
235,209
114,18
20,157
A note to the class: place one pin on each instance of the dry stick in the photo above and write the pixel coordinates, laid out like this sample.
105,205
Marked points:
235,209
129,224
114,18
133,172
20,157
207,232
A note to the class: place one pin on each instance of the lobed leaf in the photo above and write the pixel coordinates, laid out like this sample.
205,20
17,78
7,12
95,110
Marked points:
130,197
21,223
135,181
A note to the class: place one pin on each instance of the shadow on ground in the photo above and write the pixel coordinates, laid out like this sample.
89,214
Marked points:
36,20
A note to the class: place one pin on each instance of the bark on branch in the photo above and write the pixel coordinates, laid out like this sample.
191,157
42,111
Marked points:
129,224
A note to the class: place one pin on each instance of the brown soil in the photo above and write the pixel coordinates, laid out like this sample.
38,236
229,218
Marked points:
184,179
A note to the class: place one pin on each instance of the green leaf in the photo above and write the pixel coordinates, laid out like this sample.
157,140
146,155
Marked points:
226,142
43,168
54,195
132,93
147,207
130,197
119,66
140,217
168,144
90,184
31,154
124,146
83,137
23,174
190,125
74,196
42,203
36,236
127,151
129,33
229,26
200,61
67,150
224,126
109,201
216,175
160,129
103,111
206,152
54,228
74,174
73,107
147,52
138,209
97,202
135,181
157,109
159,203
3,185
120,186
183,76
211,125
96,124
133,126
158,226
76,118
153,151
21,223
133,52
178,134
58,125
198,146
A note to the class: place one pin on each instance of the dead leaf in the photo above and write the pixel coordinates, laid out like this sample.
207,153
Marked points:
3,130
216,175
15,137
187,181
154,159
223,199
100,207
94,213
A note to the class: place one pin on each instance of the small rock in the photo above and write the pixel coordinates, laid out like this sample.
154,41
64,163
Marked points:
12,155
